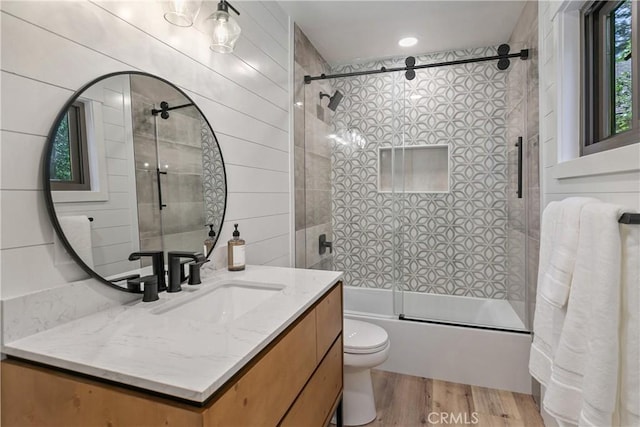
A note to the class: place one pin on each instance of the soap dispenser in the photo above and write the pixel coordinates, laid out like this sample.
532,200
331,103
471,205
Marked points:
235,251
209,241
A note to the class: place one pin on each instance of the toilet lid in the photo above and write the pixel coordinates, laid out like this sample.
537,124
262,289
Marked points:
362,337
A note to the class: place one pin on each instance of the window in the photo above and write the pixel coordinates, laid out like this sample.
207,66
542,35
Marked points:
611,107
70,161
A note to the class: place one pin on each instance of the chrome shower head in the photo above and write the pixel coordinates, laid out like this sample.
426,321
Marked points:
334,100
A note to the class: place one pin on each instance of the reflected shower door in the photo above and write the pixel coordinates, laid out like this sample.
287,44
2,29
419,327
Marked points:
169,168
181,175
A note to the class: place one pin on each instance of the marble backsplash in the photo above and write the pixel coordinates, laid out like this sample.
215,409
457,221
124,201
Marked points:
32,313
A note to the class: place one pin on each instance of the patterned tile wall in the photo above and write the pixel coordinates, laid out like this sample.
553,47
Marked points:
453,243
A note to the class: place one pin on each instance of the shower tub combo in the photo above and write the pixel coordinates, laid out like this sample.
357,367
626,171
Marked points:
414,180
494,355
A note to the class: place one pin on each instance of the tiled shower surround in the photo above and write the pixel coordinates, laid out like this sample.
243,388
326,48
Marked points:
451,243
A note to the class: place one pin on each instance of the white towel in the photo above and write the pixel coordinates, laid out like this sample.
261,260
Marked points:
629,408
77,230
543,320
559,237
585,365
563,398
603,327
557,279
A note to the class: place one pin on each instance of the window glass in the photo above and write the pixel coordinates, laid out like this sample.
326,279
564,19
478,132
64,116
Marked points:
61,156
620,57
610,75
69,167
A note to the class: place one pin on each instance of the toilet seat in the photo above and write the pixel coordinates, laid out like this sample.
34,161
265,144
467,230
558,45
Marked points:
363,338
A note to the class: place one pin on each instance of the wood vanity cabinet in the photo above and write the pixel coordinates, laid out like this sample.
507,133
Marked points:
295,381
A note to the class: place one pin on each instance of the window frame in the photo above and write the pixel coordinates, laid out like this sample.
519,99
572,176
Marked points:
78,151
597,100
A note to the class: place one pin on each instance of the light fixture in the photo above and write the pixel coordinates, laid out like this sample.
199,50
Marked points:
225,31
182,13
408,41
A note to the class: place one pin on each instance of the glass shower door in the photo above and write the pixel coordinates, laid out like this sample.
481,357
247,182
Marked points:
452,203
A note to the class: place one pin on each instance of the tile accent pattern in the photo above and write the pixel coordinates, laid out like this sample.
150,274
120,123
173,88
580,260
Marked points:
453,243
215,181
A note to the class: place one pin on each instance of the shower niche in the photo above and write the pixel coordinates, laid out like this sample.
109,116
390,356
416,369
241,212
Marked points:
414,169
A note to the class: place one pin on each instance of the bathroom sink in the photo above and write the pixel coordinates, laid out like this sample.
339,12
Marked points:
224,303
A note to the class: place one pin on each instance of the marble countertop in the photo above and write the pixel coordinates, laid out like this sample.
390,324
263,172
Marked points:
153,347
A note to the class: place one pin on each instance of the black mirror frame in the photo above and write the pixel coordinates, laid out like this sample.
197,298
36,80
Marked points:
46,167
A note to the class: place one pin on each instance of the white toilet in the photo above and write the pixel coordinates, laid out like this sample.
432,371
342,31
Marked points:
365,346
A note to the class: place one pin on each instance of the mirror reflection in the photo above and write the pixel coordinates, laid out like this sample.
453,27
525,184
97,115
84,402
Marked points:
134,167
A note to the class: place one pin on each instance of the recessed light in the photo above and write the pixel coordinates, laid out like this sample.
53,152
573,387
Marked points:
408,41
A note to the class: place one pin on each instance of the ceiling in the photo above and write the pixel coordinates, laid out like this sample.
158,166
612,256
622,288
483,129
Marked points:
353,31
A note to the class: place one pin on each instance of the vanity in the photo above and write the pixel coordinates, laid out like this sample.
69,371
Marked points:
259,347
215,348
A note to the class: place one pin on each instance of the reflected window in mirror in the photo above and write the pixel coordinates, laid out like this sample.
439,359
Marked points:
70,168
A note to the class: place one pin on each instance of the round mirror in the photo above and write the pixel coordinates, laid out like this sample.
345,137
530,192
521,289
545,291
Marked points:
132,166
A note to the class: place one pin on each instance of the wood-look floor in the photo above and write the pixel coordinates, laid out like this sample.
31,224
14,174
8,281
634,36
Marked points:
406,401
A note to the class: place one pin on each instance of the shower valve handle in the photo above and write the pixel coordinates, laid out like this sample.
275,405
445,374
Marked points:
323,244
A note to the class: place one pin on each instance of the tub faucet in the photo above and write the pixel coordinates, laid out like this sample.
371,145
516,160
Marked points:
176,271
157,261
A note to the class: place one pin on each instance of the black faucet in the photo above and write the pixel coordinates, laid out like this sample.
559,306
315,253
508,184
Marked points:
194,272
150,288
176,271
157,261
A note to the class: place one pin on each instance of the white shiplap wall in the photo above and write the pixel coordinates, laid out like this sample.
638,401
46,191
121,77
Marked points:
612,176
51,48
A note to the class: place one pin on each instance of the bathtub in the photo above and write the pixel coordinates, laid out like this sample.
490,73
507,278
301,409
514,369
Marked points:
496,356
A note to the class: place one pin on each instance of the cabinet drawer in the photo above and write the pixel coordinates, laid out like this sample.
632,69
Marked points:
313,406
37,396
329,319
263,394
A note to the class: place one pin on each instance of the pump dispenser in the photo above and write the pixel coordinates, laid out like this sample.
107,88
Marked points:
235,251
210,241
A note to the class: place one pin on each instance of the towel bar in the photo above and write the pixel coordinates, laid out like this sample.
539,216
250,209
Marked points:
629,218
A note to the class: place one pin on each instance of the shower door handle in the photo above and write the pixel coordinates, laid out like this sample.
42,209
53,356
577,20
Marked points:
519,145
158,173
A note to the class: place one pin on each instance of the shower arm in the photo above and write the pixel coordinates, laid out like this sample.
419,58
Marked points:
502,57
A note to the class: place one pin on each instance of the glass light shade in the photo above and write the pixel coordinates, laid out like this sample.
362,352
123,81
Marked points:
182,13
225,32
